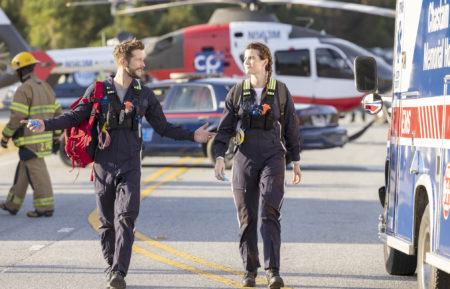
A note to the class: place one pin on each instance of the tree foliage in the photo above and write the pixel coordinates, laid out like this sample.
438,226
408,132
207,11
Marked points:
49,24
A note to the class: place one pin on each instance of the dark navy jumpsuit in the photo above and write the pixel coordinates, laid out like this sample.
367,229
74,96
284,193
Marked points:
258,177
117,170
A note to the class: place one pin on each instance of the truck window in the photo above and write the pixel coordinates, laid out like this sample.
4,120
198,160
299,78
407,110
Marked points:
293,62
161,93
330,64
190,97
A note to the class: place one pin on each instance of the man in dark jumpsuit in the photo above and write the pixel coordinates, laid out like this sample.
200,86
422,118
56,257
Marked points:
117,168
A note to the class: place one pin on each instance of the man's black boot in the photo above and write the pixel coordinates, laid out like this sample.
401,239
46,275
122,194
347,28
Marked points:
117,280
4,207
274,279
249,279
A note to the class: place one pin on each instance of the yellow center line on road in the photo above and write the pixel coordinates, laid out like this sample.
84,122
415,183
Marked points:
193,258
182,266
93,216
93,220
162,171
175,174
159,173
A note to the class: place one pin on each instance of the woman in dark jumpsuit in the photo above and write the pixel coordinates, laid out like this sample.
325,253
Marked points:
258,174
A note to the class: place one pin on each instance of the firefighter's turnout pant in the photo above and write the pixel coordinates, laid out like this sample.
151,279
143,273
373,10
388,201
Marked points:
31,172
259,182
118,197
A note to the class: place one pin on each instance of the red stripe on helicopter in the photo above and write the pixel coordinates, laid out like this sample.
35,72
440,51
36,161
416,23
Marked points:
44,68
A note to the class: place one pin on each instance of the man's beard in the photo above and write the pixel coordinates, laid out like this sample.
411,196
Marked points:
132,72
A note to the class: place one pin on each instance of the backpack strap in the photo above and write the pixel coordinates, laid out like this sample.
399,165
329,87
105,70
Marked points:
237,96
137,117
272,87
137,94
282,98
98,96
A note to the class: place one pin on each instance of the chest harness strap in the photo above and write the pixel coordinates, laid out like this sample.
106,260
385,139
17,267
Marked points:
120,115
258,116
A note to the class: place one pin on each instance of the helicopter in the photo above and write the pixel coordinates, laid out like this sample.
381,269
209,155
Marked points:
316,67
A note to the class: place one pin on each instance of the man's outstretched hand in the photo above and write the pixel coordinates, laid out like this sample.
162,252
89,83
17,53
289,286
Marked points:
35,125
201,135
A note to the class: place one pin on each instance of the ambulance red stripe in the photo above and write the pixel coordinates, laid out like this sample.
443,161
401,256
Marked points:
424,121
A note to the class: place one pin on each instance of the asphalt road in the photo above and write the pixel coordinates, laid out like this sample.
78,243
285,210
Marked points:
187,231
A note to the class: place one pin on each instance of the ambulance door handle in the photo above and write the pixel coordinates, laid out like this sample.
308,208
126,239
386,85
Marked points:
438,165
203,117
416,164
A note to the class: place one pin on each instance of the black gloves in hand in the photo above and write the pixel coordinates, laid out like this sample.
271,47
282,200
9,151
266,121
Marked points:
56,145
5,142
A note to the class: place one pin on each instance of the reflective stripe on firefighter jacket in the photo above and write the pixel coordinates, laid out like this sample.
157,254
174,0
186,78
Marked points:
34,99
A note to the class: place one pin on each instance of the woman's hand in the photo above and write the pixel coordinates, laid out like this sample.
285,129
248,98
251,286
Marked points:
219,169
297,174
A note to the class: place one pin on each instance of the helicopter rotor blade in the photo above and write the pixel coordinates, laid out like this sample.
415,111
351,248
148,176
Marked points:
88,3
101,2
337,5
175,4
367,9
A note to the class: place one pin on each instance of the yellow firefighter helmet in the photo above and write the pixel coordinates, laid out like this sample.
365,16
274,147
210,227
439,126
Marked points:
23,59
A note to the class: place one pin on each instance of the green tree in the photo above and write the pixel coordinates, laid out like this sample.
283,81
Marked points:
52,25
12,9
363,29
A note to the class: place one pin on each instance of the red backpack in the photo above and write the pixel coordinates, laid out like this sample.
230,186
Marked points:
82,140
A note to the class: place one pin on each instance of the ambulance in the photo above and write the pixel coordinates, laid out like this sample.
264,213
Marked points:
415,223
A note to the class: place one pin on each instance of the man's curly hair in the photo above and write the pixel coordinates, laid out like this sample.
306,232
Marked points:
125,48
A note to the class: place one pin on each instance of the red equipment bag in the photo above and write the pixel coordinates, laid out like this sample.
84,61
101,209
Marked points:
82,140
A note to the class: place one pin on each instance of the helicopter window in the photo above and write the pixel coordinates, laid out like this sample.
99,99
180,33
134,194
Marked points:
161,93
164,43
191,98
331,64
293,62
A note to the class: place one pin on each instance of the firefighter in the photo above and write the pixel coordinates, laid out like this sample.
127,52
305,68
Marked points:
33,98
117,166
262,140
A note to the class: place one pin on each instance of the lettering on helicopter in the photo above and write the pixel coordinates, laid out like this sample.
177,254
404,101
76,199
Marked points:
79,63
209,62
265,35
